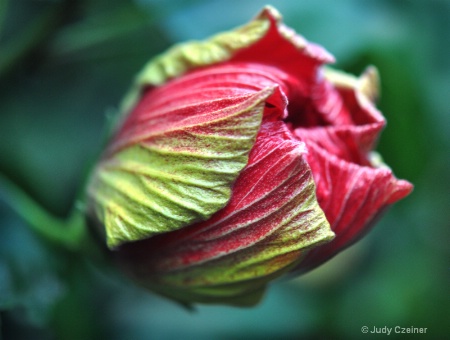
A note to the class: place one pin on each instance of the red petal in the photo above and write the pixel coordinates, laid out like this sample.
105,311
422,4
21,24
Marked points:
350,143
343,123
298,58
351,197
283,48
349,189
197,98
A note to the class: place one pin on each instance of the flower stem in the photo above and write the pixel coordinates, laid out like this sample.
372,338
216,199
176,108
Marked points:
68,233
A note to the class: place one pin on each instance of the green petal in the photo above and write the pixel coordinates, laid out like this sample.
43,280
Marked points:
178,175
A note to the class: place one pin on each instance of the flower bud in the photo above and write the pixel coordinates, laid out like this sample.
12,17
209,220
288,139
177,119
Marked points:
237,160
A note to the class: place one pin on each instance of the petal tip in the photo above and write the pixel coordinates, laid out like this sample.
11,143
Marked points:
271,13
402,189
312,50
369,83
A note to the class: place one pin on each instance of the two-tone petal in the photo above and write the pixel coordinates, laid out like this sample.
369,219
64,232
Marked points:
271,221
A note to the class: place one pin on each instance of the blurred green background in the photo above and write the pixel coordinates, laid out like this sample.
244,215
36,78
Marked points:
64,66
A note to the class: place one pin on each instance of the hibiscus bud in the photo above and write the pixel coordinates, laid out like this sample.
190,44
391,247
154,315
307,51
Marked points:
235,161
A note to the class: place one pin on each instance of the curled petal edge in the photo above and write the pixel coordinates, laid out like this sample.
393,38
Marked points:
222,47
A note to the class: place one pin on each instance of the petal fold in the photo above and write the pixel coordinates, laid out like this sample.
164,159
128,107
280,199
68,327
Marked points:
352,189
271,220
352,196
174,160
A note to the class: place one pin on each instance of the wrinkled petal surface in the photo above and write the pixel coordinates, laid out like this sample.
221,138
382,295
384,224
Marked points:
174,160
232,159
351,189
270,221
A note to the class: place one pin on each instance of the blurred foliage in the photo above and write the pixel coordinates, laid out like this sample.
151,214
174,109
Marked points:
64,65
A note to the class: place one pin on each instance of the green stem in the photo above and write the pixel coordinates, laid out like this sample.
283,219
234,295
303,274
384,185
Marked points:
68,233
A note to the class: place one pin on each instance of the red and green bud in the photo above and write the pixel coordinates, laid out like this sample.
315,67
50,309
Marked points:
236,160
